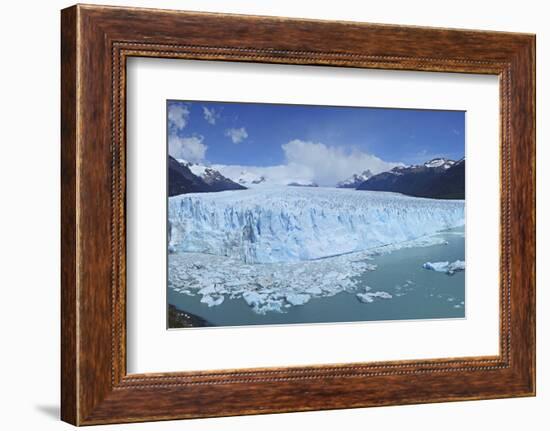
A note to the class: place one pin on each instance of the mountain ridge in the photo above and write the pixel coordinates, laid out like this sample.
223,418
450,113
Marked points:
355,180
438,178
187,177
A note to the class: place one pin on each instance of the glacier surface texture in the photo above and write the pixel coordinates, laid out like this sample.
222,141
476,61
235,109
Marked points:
292,224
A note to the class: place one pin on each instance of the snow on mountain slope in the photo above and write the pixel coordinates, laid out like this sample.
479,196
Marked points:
247,178
438,178
440,162
213,178
291,224
197,169
355,180
279,175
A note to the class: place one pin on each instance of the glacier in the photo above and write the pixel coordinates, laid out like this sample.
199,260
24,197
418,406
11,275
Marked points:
281,247
278,224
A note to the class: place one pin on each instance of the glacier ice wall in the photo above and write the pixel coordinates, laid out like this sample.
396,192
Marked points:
291,224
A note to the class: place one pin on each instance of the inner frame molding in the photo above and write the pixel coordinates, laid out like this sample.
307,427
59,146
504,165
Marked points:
96,42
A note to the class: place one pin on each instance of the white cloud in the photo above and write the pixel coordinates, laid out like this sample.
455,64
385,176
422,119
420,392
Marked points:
279,174
237,135
312,162
178,116
330,164
189,148
210,115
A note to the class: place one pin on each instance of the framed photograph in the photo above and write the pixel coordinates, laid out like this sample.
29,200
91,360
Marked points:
264,215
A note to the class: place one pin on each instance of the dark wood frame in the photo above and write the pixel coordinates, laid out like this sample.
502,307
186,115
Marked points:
95,43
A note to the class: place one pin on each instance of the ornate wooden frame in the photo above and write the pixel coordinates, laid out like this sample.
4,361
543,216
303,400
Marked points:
95,43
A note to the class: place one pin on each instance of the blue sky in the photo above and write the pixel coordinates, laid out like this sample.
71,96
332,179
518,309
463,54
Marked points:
263,135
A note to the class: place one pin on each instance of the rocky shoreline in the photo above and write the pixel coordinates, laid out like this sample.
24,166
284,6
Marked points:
182,319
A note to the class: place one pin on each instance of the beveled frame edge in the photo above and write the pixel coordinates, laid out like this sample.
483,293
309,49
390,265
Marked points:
96,41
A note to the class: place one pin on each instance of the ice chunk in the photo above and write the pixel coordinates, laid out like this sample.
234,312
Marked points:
208,289
253,298
369,297
315,290
449,268
297,298
365,297
457,265
271,305
262,303
211,300
436,266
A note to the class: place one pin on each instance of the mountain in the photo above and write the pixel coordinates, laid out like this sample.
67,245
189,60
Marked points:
182,180
355,180
440,162
185,177
439,178
452,183
252,176
213,178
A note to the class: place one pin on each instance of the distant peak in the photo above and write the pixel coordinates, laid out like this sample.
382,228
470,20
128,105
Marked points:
355,179
440,162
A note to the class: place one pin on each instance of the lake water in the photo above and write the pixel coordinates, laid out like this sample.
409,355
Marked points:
417,293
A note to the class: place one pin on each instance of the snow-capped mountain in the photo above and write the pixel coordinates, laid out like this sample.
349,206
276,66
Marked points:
440,162
212,177
438,178
248,178
303,184
186,177
355,180
252,176
182,180
282,224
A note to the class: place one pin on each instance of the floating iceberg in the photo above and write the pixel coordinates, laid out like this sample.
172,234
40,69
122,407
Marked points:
297,298
212,301
368,297
449,268
292,224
